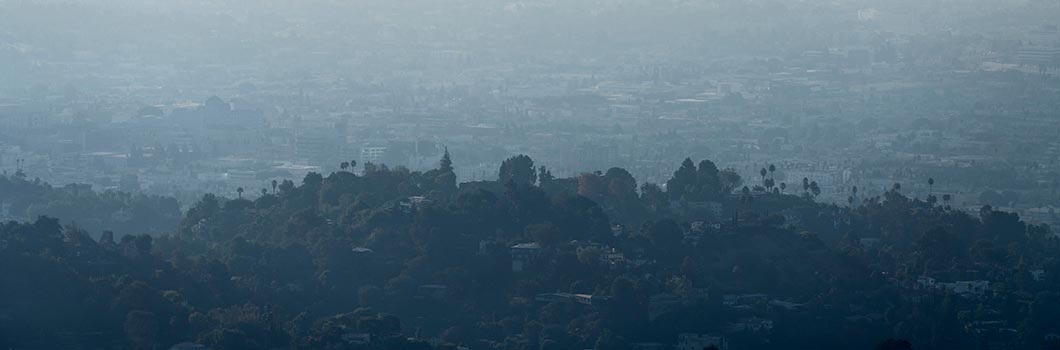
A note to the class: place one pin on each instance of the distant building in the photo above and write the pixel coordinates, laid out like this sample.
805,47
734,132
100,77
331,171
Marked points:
357,338
1038,275
584,299
869,14
187,346
717,210
5,211
372,154
413,202
314,146
524,255
967,289
745,300
925,282
752,325
1035,56
553,297
869,243
691,341
129,183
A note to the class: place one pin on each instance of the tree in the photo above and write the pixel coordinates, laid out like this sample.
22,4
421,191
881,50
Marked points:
444,177
544,176
939,246
653,196
894,344
682,184
312,181
274,184
708,182
620,184
446,164
518,169
592,185
623,290
665,235
729,180
783,186
344,166
286,186
931,185
545,234
141,329
815,189
697,184
240,192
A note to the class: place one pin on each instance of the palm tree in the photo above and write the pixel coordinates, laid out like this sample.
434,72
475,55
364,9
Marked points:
274,184
931,185
344,166
264,192
18,168
240,191
783,186
772,169
897,187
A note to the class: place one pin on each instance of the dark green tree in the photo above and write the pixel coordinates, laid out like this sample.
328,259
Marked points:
683,183
518,169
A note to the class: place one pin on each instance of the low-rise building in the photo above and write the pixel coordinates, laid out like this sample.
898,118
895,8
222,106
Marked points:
692,341
524,255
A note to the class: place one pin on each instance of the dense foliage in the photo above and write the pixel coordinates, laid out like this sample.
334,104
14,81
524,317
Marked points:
395,259
79,205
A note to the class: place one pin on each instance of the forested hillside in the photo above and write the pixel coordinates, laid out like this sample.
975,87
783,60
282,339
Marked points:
394,259
80,205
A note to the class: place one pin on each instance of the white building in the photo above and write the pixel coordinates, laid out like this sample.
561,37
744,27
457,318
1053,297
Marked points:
372,154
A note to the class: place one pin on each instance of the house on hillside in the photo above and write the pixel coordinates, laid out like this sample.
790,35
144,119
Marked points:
524,255
754,325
